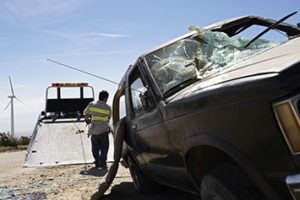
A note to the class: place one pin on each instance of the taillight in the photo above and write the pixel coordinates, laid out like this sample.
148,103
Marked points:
288,119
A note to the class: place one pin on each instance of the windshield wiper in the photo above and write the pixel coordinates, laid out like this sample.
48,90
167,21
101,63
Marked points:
181,85
269,28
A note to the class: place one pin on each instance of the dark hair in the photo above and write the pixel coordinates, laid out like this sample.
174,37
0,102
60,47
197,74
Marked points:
103,95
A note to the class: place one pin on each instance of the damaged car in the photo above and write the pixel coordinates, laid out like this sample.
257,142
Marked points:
215,112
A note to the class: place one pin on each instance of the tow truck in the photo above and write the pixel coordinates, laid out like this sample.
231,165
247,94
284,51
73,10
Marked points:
60,133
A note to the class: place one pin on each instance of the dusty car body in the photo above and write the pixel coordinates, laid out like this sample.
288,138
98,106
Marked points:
202,120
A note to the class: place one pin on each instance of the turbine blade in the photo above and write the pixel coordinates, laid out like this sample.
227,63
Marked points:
7,105
20,100
11,86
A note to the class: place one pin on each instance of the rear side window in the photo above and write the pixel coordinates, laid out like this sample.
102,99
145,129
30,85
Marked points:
122,107
70,93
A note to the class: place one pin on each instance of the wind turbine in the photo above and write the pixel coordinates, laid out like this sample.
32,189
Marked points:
11,103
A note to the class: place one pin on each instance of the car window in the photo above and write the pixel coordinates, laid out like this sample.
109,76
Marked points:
138,100
252,31
122,107
174,64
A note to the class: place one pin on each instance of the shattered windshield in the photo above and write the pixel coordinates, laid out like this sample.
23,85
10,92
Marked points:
200,56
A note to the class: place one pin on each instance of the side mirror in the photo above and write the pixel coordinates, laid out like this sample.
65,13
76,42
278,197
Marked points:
43,113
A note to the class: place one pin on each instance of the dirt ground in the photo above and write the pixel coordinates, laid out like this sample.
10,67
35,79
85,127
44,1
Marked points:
67,182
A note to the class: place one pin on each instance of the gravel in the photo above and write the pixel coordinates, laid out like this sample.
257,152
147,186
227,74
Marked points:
67,182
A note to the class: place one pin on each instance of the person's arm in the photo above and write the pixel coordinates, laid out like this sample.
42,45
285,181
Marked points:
87,115
87,118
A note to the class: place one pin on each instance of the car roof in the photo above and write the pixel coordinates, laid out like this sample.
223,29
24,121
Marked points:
231,25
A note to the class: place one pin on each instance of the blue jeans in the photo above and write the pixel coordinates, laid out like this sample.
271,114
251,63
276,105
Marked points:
100,145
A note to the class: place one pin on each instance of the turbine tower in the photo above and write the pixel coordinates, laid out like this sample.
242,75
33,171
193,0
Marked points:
11,103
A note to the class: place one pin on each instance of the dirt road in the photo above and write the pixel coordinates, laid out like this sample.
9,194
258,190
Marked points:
66,182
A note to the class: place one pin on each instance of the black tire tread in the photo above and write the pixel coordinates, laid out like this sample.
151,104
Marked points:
233,181
145,185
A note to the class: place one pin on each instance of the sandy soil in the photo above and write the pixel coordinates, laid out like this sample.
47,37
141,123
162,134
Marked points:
67,182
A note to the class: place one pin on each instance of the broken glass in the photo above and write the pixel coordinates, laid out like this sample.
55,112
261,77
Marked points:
199,56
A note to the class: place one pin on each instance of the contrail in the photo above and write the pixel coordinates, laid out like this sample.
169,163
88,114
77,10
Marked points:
89,53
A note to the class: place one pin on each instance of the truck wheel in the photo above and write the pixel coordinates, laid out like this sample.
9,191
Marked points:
142,183
227,183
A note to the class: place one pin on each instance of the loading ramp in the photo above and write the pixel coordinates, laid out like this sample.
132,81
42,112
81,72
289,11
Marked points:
61,144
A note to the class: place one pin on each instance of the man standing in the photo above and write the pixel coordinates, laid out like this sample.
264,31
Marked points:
98,114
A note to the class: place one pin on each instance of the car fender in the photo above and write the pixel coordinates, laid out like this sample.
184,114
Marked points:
204,141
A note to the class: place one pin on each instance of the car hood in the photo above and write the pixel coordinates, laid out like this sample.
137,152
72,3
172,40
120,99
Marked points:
272,61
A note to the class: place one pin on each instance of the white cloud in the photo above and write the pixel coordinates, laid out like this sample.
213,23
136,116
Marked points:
83,39
84,36
67,36
108,35
35,8
88,53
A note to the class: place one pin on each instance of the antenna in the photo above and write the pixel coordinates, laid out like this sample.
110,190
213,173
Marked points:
88,73
82,71
11,103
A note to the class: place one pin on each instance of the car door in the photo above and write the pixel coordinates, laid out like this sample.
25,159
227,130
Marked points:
145,123
149,137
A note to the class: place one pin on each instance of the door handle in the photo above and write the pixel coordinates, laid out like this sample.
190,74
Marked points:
134,126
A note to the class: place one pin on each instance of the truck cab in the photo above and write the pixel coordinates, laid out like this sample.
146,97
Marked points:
67,100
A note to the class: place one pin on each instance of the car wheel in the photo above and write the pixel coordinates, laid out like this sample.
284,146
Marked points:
227,182
142,183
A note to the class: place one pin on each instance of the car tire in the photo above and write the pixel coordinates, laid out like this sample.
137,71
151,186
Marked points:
142,183
227,182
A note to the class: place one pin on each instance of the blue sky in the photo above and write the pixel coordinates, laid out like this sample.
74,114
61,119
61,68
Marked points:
102,37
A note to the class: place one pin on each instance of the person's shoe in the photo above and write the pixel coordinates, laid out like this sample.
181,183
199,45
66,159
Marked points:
96,164
103,166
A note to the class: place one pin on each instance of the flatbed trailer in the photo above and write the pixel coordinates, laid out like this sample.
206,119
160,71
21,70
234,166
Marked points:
60,133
